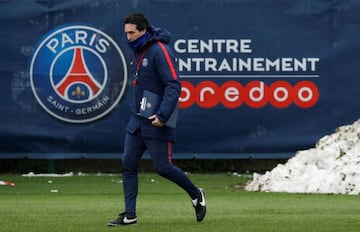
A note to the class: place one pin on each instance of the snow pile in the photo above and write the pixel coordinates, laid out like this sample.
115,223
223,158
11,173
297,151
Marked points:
31,174
333,166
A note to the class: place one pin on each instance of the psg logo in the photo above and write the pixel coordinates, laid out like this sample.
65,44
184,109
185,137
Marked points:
78,73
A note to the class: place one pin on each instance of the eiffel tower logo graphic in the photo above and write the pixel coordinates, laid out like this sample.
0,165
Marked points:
78,73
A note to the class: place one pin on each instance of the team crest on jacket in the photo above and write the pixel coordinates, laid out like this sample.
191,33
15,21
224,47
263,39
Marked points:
78,73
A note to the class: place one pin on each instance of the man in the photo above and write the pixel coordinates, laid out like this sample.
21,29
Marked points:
153,70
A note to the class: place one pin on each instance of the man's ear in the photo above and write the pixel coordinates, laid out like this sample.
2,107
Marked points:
142,32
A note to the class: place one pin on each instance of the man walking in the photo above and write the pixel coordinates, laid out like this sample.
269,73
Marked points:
154,72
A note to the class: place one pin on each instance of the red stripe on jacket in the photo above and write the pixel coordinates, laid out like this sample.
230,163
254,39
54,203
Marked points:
169,61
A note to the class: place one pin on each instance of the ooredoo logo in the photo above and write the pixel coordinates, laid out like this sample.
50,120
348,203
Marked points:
78,73
255,94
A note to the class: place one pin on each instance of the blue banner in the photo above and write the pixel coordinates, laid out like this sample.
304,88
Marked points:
260,79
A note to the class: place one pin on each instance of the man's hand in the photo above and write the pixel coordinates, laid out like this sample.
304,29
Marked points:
155,121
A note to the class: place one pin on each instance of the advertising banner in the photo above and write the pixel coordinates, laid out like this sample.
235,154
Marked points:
260,79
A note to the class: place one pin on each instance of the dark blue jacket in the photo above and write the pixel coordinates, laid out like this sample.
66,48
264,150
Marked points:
157,73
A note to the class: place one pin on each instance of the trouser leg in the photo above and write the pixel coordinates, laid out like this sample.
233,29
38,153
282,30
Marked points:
133,150
161,152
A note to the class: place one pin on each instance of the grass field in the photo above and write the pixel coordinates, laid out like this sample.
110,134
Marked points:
87,203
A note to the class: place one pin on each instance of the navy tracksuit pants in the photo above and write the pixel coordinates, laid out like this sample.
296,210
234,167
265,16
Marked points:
160,152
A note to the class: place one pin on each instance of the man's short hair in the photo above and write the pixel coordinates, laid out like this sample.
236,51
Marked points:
139,20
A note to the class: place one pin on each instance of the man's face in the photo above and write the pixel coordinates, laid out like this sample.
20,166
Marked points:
132,33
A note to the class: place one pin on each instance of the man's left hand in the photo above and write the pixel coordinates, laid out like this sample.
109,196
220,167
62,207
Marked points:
155,121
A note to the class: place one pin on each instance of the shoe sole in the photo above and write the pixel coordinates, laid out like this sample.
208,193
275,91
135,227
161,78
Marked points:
128,224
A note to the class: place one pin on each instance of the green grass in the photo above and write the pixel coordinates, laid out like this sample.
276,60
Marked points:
86,203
